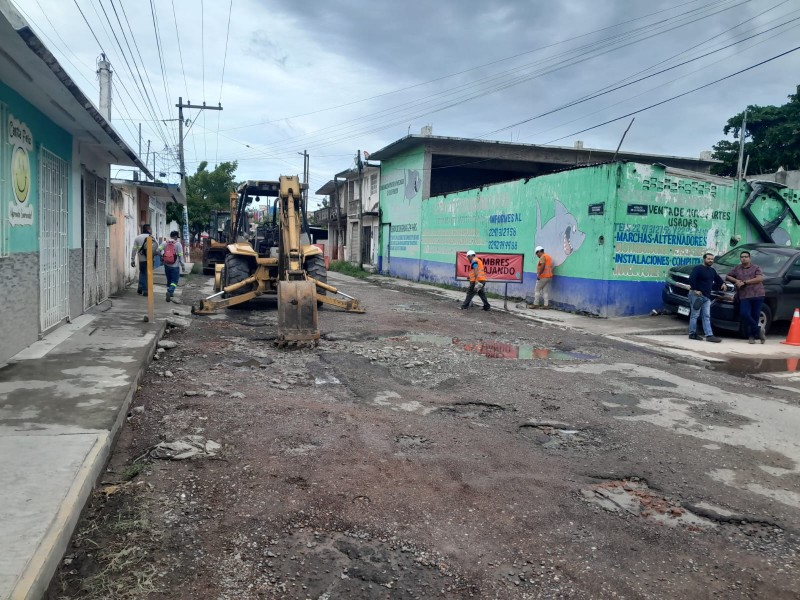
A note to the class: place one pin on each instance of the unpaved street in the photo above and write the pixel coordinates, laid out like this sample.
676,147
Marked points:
425,452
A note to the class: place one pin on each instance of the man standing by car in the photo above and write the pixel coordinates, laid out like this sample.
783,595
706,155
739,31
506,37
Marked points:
702,280
749,282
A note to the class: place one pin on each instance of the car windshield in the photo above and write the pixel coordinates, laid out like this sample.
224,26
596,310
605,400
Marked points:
771,260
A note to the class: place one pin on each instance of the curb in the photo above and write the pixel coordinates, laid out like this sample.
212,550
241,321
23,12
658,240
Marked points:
38,574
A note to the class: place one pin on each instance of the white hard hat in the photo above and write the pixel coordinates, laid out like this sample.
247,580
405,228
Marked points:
538,248
470,252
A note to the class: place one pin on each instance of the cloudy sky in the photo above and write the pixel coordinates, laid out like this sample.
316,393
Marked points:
336,76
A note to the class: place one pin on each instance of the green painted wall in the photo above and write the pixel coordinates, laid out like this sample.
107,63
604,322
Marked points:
402,181
613,231
25,238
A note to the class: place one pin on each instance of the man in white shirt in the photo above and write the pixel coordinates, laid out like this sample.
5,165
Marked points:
140,251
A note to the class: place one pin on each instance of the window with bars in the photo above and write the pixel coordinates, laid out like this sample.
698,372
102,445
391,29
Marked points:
5,185
373,184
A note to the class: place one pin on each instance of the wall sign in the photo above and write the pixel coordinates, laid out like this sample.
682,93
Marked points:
637,209
597,209
498,267
20,212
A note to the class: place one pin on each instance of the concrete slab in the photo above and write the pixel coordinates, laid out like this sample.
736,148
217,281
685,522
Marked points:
62,402
44,484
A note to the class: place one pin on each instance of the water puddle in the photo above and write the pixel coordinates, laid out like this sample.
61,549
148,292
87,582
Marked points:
747,366
494,349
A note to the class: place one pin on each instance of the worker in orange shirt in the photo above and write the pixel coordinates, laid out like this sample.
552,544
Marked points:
477,281
544,276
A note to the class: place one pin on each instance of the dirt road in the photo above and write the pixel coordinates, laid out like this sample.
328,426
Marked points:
425,452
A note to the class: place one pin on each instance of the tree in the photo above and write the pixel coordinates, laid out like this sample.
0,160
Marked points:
207,191
774,139
175,213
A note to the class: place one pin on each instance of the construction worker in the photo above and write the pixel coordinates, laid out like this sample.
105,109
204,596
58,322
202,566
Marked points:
544,275
139,251
477,281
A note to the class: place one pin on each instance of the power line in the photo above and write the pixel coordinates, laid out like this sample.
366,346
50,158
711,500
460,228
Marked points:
136,45
91,29
636,112
608,90
484,65
222,80
203,63
488,85
180,53
142,90
160,54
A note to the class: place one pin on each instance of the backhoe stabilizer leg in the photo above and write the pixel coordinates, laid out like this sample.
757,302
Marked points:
350,304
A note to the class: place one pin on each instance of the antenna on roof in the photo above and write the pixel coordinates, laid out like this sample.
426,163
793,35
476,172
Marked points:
613,158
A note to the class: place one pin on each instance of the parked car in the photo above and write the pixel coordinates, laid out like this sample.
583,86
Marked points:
781,268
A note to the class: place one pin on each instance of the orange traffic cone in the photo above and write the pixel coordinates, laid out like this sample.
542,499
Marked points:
793,339
791,364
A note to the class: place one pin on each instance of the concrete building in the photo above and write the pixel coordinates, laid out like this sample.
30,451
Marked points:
613,229
133,204
56,149
353,216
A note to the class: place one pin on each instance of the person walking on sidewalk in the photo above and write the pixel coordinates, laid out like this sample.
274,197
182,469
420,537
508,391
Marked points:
702,280
749,282
544,276
171,252
477,281
139,251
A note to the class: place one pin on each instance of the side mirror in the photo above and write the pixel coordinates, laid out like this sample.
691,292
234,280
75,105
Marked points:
793,276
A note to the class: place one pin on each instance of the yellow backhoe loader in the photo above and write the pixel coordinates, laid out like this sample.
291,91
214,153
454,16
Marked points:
277,259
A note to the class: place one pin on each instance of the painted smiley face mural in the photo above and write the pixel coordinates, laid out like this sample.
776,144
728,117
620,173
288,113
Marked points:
560,236
21,174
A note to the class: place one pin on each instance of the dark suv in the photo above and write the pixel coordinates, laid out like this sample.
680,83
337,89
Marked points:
781,268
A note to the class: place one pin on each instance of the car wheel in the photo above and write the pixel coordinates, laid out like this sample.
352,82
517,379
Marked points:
765,318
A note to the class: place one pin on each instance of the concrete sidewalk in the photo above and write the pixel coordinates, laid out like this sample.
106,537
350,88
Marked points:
62,403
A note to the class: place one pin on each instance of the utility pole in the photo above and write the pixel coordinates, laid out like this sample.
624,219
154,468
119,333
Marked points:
140,148
181,106
147,157
742,135
360,249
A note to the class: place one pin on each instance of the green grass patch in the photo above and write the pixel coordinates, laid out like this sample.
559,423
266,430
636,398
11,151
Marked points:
197,268
132,471
346,268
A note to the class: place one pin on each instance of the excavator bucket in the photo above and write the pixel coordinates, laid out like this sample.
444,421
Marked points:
297,314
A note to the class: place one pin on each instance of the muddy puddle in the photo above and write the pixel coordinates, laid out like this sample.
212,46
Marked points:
747,366
495,349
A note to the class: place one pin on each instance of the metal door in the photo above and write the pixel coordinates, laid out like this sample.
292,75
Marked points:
53,250
386,237
366,245
95,232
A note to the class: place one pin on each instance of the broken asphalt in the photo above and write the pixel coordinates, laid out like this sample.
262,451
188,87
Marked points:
64,399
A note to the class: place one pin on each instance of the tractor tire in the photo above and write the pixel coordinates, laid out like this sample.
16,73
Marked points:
315,267
237,268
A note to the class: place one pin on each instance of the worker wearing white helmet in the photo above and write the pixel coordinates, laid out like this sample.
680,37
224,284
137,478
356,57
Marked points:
544,276
477,280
